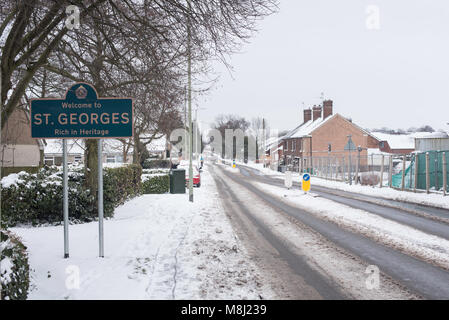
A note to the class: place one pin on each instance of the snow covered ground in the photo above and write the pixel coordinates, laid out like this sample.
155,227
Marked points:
434,200
156,247
410,241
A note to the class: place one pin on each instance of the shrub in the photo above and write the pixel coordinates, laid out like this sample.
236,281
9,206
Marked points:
155,184
37,198
370,179
8,170
153,164
120,184
14,268
156,171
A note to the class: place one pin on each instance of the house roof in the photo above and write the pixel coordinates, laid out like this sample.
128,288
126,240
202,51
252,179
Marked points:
54,146
307,128
431,135
157,145
407,141
77,146
397,141
114,146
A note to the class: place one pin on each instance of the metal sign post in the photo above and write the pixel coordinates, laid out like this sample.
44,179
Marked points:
82,114
100,198
65,201
350,146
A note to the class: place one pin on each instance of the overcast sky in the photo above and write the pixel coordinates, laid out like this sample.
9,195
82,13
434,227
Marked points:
395,76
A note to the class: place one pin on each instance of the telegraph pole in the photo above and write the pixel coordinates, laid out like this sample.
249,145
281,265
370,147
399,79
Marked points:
189,72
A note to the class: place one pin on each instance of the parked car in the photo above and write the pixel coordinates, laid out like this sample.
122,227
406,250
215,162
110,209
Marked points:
196,175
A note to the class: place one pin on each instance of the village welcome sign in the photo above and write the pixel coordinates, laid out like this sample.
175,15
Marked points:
82,114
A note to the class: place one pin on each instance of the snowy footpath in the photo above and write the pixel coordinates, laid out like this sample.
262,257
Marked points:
156,247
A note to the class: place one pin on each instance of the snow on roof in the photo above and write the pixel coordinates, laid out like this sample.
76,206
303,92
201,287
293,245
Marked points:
114,146
54,146
431,135
157,145
407,141
397,141
306,129
273,142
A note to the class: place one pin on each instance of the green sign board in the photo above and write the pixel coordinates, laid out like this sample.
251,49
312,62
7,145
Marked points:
81,114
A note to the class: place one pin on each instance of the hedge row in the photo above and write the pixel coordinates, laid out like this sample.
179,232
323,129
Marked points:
14,268
37,198
156,163
155,184
120,184
8,170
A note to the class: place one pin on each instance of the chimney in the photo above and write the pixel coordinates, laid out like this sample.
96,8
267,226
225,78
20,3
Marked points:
327,108
317,112
307,115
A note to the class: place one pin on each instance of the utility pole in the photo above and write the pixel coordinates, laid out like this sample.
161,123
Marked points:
263,140
189,72
350,161
186,140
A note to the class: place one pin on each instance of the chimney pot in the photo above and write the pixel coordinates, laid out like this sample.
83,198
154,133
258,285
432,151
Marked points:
317,110
307,115
327,108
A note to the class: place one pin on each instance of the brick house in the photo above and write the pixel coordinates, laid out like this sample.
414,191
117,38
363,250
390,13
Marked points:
396,143
324,133
18,149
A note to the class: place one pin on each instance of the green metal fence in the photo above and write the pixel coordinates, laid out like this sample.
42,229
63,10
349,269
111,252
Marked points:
412,174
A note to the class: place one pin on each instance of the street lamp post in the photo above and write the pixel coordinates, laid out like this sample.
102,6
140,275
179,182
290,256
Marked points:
350,162
189,72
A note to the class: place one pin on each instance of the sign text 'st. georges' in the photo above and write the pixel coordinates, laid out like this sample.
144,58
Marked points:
82,115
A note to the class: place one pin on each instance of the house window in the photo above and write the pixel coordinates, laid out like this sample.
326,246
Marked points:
49,161
119,159
110,159
78,159
58,161
286,145
293,145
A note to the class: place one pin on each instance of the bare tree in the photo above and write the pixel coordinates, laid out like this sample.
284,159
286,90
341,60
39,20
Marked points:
124,48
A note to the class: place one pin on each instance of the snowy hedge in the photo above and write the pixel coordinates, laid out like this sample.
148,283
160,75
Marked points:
14,268
120,184
156,163
37,198
155,183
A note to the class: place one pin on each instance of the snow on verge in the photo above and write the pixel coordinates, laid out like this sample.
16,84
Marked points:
432,200
156,246
409,240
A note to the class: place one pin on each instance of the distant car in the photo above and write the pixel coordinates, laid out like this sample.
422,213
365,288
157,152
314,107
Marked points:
196,175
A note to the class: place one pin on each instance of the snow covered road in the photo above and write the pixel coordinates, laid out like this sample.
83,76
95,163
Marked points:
406,256
156,247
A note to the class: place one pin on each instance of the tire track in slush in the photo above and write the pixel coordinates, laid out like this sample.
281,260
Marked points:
428,281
